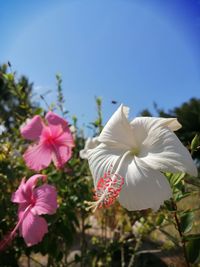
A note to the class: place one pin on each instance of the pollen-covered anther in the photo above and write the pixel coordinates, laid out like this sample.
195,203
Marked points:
107,190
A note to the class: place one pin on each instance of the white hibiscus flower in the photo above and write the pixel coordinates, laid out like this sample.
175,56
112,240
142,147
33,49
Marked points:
139,151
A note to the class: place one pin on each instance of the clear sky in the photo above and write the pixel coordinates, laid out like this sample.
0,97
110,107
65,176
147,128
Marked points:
133,51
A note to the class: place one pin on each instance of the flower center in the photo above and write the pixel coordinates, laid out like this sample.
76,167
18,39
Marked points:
135,151
32,201
48,136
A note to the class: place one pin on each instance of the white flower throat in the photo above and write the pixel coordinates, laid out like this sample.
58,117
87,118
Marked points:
135,151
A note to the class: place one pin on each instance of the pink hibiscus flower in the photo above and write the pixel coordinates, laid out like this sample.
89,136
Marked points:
53,141
32,203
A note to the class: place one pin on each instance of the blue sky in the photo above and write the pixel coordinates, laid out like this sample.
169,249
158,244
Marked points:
133,51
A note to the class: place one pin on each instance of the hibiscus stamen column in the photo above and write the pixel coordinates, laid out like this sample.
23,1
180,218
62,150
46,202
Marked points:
8,238
107,190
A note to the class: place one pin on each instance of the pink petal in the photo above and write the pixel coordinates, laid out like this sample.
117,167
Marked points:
62,148
61,154
21,209
24,191
32,182
46,200
33,229
32,129
18,196
38,156
51,133
54,119
65,138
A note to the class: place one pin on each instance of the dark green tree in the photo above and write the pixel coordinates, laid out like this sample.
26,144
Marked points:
15,98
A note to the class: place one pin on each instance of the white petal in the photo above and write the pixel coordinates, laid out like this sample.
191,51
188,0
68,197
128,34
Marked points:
101,160
161,149
171,123
144,187
142,125
118,129
89,144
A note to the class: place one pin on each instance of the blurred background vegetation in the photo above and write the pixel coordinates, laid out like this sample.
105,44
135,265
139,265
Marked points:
110,237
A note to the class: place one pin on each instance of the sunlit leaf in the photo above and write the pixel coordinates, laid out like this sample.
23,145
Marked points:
175,179
195,142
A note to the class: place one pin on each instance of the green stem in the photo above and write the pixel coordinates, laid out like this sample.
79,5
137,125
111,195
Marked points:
122,256
180,234
137,245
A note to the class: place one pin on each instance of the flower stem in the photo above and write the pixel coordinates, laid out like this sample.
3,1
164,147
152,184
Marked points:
178,225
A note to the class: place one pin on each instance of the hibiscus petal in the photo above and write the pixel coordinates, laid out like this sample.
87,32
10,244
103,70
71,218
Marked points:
38,156
89,144
55,120
21,209
32,129
46,200
65,138
103,159
171,123
61,154
142,125
18,196
62,148
33,229
143,187
118,129
161,149
32,182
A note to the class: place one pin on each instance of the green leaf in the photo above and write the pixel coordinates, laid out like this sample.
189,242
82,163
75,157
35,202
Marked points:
181,195
195,142
193,251
186,221
169,205
193,180
191,237
160,219
176,178
8,76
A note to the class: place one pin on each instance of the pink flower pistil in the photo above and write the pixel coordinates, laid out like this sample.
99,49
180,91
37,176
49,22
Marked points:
32,203
53,141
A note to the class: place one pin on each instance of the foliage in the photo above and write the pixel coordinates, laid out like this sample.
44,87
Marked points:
120,234
15,98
